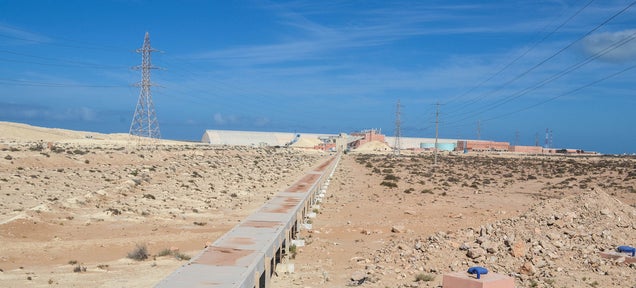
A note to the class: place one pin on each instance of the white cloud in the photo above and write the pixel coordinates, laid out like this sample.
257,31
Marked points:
261,121
220,119
599,43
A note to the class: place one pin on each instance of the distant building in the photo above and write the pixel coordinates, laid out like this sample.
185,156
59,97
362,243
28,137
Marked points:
526,149
366,136
482,146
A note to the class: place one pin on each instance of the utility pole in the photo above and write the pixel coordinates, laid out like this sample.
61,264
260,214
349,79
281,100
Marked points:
478,129
144,123
517,138
536,139
397,129
436,130
551,139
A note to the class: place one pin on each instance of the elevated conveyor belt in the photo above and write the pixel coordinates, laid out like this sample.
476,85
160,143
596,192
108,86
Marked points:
247,255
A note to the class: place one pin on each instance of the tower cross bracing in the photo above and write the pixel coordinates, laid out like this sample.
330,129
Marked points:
144,123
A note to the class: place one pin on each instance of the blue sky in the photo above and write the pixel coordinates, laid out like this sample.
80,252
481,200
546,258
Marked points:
515,67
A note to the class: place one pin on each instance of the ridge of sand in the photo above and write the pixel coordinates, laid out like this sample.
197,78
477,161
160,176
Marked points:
373,146
306,142
23,133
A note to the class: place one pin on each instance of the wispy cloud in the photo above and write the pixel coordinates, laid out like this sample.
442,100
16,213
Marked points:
27,112
599,42
17,35
363,29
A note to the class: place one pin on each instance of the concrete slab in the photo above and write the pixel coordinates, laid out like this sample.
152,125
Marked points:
465,280
621,257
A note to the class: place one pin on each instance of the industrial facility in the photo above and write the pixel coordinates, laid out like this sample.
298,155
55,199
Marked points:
360,139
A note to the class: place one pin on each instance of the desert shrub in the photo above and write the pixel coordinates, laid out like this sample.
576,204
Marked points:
37,147
164,252
292,251
389,184
181,256
427,191
424,277
113,211
79,268
391,177
140,253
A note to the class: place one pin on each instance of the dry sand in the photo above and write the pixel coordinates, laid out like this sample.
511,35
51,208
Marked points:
385,219
536,219
70,202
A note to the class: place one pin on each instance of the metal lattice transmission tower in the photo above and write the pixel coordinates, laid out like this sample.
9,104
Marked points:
144,123
398,133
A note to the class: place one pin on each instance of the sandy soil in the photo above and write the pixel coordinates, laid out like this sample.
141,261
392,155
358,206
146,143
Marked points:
80,201
367,227
69,205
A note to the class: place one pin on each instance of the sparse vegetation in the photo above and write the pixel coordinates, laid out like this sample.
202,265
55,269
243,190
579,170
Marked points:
292,251
140,253
178,255
389,184
424,277
79,268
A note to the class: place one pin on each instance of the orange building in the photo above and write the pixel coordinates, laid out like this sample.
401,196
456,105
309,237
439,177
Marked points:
477,146
527,149
367,136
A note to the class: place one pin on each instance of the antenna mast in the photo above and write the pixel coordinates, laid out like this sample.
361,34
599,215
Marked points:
397,129
144,123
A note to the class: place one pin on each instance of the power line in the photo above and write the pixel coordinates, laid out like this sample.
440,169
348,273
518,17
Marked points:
554,77
534,45
69,63
607,77
526,72
16,82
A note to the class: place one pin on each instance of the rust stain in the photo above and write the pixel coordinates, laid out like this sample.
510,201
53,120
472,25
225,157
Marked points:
261,224
221,256
288,204
303,183
324,165
242,241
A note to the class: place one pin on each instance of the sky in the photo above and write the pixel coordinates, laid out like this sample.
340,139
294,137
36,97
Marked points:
496,70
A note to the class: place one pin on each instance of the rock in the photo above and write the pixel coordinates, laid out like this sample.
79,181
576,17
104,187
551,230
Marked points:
489,246
528,269
474,253
518,249
358,277
398,229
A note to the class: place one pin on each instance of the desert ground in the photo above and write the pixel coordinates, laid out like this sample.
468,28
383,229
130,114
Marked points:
75,205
